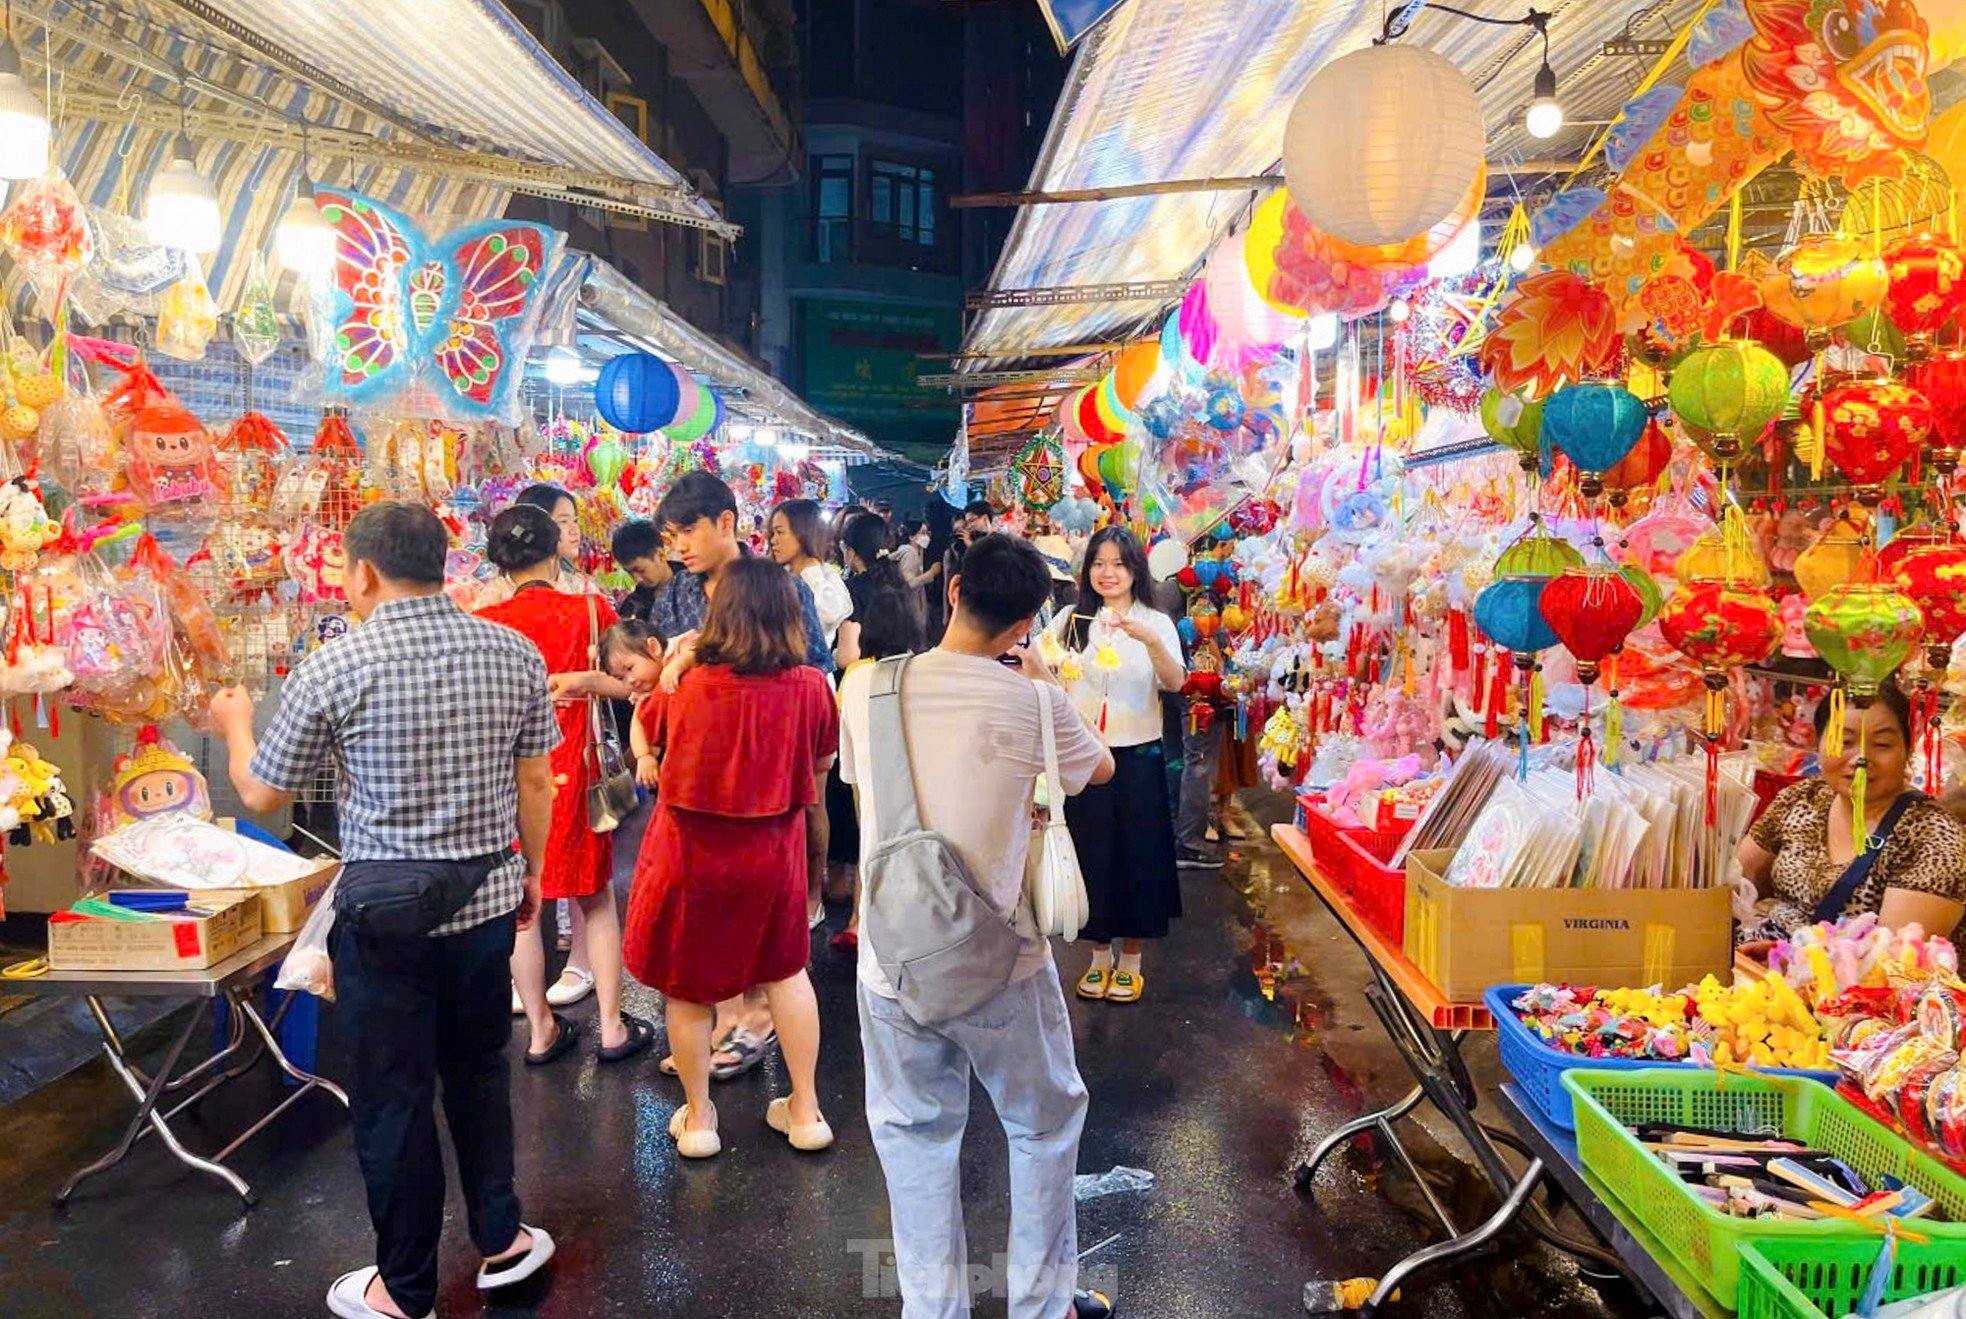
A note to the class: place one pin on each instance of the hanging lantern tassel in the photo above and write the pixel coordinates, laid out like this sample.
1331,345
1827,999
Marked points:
1934,747
1586,754
1716,723
1535,711
1833,729
1859,792
1526,724
1817,425
1614,714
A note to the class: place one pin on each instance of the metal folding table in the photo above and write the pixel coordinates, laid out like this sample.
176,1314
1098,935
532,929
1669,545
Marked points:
247,1035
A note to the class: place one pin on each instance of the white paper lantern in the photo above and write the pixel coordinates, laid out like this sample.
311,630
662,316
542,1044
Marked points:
1382,144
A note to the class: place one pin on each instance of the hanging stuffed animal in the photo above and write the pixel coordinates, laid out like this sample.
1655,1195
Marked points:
25,526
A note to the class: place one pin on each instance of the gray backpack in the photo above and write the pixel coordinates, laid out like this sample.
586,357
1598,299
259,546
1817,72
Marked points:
939,940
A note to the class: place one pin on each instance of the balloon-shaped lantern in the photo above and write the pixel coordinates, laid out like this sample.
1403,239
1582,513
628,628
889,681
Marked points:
1726,394
1595,426
1871,428
1839,555
1509,611
1824,281
1941,378
1720,626
1514,422
1928,286
1592,611
636,393
1933,575
1865,631
1641,467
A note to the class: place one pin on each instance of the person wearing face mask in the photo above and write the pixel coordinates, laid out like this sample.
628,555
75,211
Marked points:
914,542
1801,854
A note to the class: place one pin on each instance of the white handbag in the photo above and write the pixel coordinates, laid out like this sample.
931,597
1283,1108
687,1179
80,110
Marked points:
1052,878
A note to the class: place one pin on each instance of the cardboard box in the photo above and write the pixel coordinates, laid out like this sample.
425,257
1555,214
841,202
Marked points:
284,907
162,945
1467,940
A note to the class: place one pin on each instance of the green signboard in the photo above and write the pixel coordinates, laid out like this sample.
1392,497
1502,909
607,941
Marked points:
861,364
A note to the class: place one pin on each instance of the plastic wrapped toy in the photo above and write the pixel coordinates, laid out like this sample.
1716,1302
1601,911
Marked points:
46,233
189,317
171,468
25,527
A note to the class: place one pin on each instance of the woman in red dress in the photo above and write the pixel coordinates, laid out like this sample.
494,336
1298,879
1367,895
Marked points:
719,903
524,543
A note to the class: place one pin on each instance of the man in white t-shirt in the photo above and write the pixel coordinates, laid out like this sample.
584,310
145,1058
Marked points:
972,725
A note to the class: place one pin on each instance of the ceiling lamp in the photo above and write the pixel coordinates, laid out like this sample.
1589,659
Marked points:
24,130
305,242
181,209
1545,117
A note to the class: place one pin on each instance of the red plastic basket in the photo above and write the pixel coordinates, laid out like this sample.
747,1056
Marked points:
1378,890
1334,845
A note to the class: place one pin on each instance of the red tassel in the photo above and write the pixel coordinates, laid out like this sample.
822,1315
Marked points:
1102,714
1586,765
1713,781
1457,639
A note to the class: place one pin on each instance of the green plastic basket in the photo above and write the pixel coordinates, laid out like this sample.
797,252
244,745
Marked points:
1790,1279
1703,1239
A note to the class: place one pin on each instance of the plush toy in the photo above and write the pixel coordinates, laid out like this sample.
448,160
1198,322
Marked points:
153,778
25,526
172,469
1824,959
316,560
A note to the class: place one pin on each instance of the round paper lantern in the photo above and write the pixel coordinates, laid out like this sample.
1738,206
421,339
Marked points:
1865,631
1928,285
1641,467
636,393
700,422
1092,421
1383,143
1837,556
1309,274
1934,576
1824,281
1727,393
1592,611
689,394
1595,426
1088,465
1514,422
1133,370
1941,378
1414,254
1871,428
1720,626
1242,319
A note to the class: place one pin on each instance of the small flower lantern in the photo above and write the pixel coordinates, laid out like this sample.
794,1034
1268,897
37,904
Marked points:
1726,394
1864,631
1871,428
1941,378
1927,286
1595,426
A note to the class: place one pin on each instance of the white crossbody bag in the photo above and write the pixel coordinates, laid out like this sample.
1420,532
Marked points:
1052,879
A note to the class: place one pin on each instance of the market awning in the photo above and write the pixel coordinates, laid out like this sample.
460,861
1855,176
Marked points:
1197,89
443,108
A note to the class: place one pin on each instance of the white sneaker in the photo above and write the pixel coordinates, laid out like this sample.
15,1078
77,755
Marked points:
573,985
518,1270
349,1297
800,1136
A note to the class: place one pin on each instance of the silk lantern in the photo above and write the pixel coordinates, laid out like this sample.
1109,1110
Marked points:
1720,626
1592,611
1382,143
1871,428
1927,286
1538,555
1865,631
1595,426
1646,462
1726,394
1838,555
636,393
1824,281
1941,378
1933,575
1515,422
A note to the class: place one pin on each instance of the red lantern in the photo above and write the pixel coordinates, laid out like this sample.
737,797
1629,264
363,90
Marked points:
1642,466
1922,534
1934,576
1721,626
1928,284
1592,611
1941,378
1871,428
1776,335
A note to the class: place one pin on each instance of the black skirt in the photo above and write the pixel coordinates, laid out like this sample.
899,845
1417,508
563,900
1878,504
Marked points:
1123,832
843,822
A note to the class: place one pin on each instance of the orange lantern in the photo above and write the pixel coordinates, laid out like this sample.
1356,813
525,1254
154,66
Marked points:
1838,555
1133,370
1824,281
1642,466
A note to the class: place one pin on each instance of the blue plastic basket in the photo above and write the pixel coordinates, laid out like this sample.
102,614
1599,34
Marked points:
1538,1067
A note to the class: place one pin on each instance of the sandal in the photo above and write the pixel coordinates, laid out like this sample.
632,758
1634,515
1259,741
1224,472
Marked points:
641,1034
1096,983
567,1034
668,1065
1127,987
695,1144
749,1050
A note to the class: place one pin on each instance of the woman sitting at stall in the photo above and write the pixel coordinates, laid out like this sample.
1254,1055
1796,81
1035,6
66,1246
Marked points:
1800,854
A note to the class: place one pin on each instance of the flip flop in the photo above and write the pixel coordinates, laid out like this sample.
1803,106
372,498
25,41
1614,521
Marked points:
640,1035
567,1036
720,1045
509,1272
749,1049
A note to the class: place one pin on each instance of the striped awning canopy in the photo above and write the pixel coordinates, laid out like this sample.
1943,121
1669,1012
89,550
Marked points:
442,108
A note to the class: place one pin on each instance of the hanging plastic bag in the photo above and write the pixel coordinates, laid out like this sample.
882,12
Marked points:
309,967
117,639
25,527
192,619
256,326
46,233
189,317
253,454
325,488
127,273
172,470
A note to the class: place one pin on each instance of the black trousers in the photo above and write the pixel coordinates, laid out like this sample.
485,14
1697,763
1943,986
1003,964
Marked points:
417,1010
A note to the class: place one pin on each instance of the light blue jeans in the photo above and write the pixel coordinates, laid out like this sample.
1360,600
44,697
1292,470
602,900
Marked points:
1019,1045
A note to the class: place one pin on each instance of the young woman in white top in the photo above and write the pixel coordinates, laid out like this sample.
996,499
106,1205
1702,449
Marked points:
798,541
1117,655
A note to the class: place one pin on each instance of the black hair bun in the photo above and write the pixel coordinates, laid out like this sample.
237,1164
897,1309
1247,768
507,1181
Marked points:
522,536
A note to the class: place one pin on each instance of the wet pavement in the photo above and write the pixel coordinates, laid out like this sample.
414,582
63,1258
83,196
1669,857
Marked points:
1252,1041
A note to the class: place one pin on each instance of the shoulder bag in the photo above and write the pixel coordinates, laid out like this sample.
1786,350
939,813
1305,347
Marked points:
1052,878
1853,876
611,795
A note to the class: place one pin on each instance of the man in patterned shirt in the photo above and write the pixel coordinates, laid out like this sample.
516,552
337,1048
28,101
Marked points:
439,728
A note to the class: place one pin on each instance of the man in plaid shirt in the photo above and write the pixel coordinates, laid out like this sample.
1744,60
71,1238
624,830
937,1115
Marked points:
439,728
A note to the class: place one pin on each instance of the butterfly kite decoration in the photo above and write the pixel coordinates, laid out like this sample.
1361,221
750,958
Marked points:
455,316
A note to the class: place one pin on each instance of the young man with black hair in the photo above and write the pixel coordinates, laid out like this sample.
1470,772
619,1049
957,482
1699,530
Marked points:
637,549
441,726
974,524
971,708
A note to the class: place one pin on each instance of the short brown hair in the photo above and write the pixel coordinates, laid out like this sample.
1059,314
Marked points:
755,623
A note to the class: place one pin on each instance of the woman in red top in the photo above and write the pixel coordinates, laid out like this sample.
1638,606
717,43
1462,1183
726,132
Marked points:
524,543
719,903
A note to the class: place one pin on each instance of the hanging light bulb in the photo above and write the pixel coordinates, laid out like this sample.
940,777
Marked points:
1521,257
1545,117
182,208
1460,255
1324,331
562,366
1399,311
24,130
305,242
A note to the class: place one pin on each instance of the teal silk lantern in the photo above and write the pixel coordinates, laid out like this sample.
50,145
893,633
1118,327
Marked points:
1595,426
1510,613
